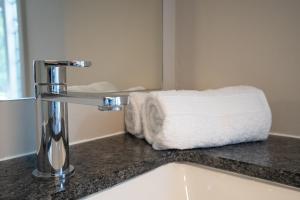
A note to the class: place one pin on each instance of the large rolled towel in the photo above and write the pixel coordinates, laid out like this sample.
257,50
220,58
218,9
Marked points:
133,121
192,119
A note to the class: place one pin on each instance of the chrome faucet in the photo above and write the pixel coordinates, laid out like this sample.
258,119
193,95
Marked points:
52,114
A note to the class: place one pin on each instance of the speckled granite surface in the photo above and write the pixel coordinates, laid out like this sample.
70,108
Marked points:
103,163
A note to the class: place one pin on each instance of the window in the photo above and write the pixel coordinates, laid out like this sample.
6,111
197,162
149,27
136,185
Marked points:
10,50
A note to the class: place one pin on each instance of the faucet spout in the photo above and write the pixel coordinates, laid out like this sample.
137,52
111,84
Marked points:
113,101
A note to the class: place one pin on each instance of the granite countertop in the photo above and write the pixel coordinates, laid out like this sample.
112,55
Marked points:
102,163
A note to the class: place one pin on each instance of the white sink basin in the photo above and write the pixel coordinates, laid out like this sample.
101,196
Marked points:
190,182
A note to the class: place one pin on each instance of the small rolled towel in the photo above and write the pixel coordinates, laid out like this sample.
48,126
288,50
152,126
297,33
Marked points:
133,121
96,87
210,118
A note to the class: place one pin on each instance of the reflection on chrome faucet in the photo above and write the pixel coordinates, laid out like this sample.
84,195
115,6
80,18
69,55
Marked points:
52,115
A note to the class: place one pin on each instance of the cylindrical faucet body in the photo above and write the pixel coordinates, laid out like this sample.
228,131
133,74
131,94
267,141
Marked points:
52,123
52,115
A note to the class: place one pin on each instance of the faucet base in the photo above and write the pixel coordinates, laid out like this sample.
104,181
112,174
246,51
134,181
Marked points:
59,175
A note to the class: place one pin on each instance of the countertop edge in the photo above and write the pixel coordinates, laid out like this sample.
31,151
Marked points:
108,162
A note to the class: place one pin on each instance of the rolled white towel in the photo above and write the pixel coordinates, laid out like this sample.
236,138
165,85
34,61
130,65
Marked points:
133,121
136,88
191,119
96,87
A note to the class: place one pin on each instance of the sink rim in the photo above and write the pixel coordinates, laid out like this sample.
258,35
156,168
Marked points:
213,169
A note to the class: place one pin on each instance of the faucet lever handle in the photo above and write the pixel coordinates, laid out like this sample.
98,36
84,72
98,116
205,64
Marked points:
72,63
54,71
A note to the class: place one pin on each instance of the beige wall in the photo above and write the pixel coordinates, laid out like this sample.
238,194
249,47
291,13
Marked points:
218,43
17,123
254,42
87,122
122,38
17,127
133,27
42,40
